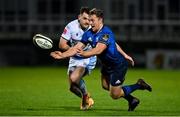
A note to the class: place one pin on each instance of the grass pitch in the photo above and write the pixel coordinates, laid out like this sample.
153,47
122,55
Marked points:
44,91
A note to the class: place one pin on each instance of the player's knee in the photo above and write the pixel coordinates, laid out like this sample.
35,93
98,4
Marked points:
74,78
72,88
105,87
116,94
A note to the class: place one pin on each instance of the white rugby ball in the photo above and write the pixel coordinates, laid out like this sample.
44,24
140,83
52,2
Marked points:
42,41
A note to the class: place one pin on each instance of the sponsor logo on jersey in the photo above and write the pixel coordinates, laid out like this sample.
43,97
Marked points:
105,37
65,31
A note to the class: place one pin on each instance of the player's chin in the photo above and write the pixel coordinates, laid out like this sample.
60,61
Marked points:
86,26
93,29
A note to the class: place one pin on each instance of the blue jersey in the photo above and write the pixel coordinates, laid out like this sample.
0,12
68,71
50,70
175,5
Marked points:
110,56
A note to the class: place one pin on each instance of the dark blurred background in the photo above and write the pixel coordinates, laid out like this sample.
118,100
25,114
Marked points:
148,30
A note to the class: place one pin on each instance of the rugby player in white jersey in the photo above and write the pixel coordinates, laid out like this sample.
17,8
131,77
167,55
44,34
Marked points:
78,66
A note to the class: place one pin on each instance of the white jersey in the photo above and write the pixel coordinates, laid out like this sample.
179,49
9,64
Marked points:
73,34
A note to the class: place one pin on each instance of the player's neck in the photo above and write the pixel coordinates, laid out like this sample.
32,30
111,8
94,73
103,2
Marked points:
100,28
83,28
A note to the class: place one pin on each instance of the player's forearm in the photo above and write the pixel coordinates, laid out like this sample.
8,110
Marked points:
69,53
121,51
91,52
64,47
87,54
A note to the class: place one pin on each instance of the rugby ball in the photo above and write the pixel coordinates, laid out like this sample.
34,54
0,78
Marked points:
42,41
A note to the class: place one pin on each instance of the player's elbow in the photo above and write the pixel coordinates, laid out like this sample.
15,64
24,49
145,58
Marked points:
63,44
60,45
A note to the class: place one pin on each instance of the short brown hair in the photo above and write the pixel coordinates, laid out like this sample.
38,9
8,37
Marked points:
97,12
84,10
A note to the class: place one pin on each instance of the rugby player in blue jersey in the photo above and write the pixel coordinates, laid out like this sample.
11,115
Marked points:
113,59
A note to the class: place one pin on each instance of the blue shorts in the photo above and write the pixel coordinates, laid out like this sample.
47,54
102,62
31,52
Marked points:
116,74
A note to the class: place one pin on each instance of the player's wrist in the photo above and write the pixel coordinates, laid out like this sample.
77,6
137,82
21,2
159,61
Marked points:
63,55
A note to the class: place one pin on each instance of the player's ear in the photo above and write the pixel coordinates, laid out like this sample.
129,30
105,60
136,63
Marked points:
100,19
79,16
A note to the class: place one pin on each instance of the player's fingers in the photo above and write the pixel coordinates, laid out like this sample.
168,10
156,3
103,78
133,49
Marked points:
132,63
79,50
56,52
52,53
59,53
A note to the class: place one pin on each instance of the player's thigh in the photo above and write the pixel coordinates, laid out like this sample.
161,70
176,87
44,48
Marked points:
77,74
117,76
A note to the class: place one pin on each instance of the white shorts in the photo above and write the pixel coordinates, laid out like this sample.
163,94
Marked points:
88,63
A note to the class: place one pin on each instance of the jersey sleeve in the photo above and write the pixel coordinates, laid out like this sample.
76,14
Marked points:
67,33
105,39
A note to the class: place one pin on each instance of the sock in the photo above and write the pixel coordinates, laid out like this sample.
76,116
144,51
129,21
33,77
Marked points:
76,90
130,88
129,98
82,87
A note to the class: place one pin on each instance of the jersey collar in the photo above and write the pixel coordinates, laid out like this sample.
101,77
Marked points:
100,29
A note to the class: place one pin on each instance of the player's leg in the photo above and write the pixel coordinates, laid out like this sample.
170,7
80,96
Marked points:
89,65
87,101
117,77
117,91
74,88
133,101
105,82
141,85
77,81
76,77
105,78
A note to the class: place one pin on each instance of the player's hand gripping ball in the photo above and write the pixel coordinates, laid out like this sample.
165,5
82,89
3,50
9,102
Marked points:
42,41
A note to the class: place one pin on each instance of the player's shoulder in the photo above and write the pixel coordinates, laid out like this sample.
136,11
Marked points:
106,34
107,30
73,24
89,31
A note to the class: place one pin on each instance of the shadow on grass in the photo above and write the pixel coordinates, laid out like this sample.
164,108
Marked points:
60,108
67,108
97,111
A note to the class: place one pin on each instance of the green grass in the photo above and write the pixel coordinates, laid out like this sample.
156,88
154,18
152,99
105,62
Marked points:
44,91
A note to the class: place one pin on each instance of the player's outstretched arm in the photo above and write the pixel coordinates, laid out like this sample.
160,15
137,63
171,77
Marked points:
125,55
56,54
100,47
69,53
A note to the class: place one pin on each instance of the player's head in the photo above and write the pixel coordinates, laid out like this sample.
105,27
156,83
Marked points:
84,17
96,19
